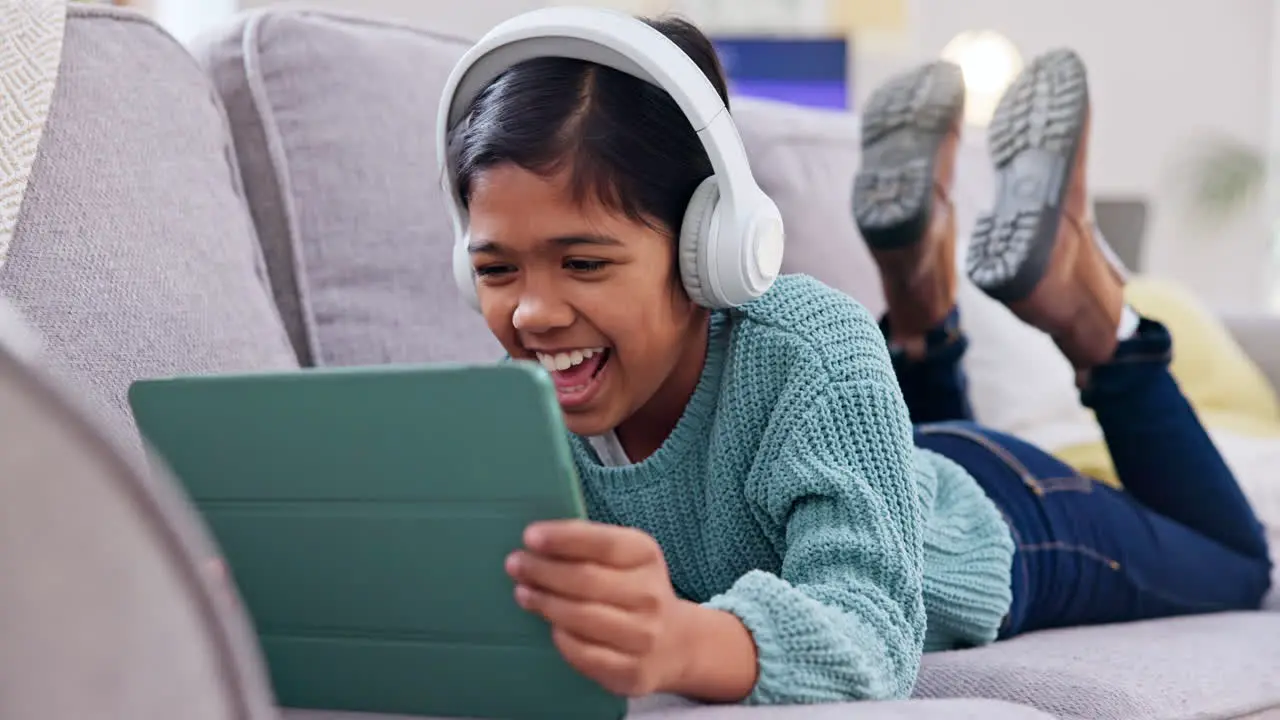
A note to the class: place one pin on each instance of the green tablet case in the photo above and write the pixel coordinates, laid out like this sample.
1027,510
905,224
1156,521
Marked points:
365,514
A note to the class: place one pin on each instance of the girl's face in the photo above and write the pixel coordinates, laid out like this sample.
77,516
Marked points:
589,293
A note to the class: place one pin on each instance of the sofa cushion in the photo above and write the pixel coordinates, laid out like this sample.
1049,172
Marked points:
671,708
664,708
105,614
805,161
1211,666
134,255
334,126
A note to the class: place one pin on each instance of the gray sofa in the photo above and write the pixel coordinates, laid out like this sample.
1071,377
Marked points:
268,199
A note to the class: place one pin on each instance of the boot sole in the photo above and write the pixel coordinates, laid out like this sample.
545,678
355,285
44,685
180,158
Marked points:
1033,138
904,124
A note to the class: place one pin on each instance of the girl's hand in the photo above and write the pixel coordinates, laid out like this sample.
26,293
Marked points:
606,592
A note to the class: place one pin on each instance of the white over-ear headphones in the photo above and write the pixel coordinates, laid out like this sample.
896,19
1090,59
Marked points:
731,240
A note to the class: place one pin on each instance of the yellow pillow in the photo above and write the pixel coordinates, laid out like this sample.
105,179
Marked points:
1227,389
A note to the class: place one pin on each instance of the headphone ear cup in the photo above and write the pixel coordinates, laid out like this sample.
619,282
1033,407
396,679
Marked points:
462,273
695,233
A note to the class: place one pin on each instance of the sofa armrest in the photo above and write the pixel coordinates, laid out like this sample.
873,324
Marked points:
1259,335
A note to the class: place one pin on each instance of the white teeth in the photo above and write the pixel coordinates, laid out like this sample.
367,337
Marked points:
554,362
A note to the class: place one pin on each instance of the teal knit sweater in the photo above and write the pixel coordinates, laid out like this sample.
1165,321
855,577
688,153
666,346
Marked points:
791,495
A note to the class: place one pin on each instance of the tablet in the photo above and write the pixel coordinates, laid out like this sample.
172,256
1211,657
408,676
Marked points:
365,514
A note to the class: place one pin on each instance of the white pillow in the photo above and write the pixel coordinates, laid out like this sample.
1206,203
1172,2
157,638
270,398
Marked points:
1019,382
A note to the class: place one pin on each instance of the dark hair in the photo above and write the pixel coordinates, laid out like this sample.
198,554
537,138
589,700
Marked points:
620,138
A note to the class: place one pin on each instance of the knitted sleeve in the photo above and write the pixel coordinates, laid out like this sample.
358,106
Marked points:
844,619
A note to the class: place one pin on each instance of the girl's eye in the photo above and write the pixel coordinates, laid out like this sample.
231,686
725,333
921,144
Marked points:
584,265
494,270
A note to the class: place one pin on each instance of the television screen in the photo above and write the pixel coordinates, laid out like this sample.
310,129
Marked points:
802,71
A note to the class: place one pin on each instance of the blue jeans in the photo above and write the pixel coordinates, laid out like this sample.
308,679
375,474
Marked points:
1180,539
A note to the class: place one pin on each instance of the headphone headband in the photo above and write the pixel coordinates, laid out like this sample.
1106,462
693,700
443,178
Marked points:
607,38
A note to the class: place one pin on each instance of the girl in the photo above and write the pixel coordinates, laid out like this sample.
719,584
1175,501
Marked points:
766,523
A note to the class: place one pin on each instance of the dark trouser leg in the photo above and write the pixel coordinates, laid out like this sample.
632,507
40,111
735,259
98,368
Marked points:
1162,454
1087,553
934,385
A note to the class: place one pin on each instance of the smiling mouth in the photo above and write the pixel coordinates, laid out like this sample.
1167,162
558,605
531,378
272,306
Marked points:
575,373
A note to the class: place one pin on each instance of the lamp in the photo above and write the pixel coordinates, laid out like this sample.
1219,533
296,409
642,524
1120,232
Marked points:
989,61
